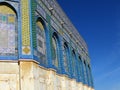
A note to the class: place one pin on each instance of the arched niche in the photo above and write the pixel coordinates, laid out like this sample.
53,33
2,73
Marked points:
66,57
8,30
86,73
90,76
41,40
80,68
73,63
55,49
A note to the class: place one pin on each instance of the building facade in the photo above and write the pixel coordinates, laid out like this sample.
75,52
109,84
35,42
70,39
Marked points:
40,49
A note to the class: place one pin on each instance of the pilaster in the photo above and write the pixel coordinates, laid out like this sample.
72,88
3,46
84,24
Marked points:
26,75
78,68
61,61
26,40
49,41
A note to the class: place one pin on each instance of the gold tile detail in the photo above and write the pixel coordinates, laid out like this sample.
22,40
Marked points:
40,25
4,9
25,23
26,50
11,19
61,32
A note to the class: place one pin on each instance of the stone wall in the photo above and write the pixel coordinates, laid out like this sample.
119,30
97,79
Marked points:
9,75
28,75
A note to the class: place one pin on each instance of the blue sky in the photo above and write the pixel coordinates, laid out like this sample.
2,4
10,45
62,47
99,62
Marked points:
98,21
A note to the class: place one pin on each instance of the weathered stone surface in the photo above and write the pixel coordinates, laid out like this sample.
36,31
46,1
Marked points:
85,87
9,68
28,75
9,76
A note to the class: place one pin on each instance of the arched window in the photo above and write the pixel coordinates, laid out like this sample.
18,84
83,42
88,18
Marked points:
86,73
66,57
90,76
55,50
80,68
8,30
73,63
41,42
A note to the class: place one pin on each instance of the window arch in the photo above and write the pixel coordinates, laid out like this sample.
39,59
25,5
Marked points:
8,30
90,77
80,68
41,41
66,57
73,63
86,73
55,50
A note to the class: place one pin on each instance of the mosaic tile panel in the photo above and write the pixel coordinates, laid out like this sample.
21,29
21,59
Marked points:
54,51
80,68
4,9
7,38
7,31
73,64
41,10
25,27
25,24
26,50
54,25
41,42
65,57
33,8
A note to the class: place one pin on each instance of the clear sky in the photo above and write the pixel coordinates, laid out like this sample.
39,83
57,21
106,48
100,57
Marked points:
98,22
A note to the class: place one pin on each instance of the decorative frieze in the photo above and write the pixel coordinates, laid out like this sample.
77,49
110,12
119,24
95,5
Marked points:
66,38
42,12
54,25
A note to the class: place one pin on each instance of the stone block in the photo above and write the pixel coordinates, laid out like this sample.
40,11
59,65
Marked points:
9,68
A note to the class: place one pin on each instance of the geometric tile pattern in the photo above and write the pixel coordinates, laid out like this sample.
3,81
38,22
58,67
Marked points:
33,8
54,51
65,57
41,42
7,38
26,50
73,63
7,30
25,25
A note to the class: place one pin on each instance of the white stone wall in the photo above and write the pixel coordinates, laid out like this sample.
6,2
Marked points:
28,75
9,76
